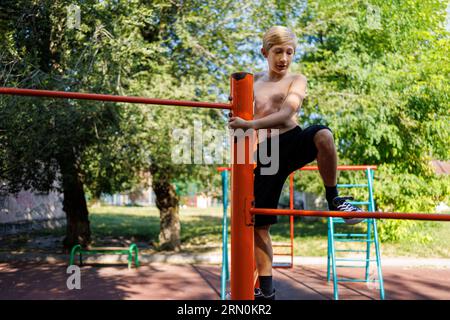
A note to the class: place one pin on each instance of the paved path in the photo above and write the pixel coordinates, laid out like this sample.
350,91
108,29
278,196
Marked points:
156,280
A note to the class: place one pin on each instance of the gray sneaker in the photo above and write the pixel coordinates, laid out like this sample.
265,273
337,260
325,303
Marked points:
259,295
341,204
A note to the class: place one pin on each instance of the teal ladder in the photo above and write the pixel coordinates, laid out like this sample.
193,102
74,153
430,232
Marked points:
368,238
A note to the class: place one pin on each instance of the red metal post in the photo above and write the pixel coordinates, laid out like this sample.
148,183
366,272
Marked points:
242,245
291,218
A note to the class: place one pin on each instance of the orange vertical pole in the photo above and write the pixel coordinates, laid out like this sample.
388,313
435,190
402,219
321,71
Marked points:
242,245
291,218
291,191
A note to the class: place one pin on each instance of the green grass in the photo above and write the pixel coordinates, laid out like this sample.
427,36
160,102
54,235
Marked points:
138,223
199,227
201,230
437,247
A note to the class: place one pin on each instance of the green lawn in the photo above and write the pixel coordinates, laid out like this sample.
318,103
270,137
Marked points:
200,228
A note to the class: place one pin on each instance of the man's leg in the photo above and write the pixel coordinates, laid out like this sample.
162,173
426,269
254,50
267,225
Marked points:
327,163
264,258
326,156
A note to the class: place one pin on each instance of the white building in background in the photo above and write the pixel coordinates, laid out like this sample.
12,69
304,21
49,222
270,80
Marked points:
442,207
144,198
203,201
442,168
31,211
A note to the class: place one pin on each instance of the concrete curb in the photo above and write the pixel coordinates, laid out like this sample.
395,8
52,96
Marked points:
187,258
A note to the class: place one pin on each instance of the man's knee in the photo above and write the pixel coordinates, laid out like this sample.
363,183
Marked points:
262,229
324,138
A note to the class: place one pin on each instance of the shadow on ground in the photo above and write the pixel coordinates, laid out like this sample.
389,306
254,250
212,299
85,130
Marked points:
32,280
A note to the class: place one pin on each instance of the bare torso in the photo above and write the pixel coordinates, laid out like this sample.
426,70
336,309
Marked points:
269,97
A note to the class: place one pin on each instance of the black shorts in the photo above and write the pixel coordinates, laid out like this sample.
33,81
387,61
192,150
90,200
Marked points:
296,149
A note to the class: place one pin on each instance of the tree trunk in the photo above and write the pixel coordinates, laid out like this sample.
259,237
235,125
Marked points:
74,205
167,202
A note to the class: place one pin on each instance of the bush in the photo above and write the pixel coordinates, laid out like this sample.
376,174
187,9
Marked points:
408,193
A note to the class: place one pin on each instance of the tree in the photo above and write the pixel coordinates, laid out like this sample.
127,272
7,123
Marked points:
133,48
48,143
375,79
199,43
378,76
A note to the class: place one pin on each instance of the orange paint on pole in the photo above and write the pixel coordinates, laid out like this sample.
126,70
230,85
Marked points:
242,245
291,218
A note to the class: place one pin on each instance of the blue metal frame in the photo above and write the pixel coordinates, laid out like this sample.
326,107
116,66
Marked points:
355,237
225,276
370,175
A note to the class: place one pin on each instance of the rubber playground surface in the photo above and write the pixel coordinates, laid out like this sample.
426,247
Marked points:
162,281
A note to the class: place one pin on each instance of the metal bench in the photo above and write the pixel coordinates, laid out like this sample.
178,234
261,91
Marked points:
77,249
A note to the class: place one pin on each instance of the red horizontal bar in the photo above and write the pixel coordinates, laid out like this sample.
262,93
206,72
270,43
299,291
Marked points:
110,97
361,214
313,168
342,168
281,245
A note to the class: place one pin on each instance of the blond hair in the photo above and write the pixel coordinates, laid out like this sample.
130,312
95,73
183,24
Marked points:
278,35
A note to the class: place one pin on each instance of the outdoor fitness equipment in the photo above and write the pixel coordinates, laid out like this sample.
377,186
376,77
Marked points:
369,237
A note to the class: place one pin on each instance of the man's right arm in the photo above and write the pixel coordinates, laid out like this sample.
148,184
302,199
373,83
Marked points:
256,77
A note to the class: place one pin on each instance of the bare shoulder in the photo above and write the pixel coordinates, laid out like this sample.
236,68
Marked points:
258,75
299,78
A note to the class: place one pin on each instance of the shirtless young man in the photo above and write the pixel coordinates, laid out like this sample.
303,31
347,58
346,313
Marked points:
278,97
